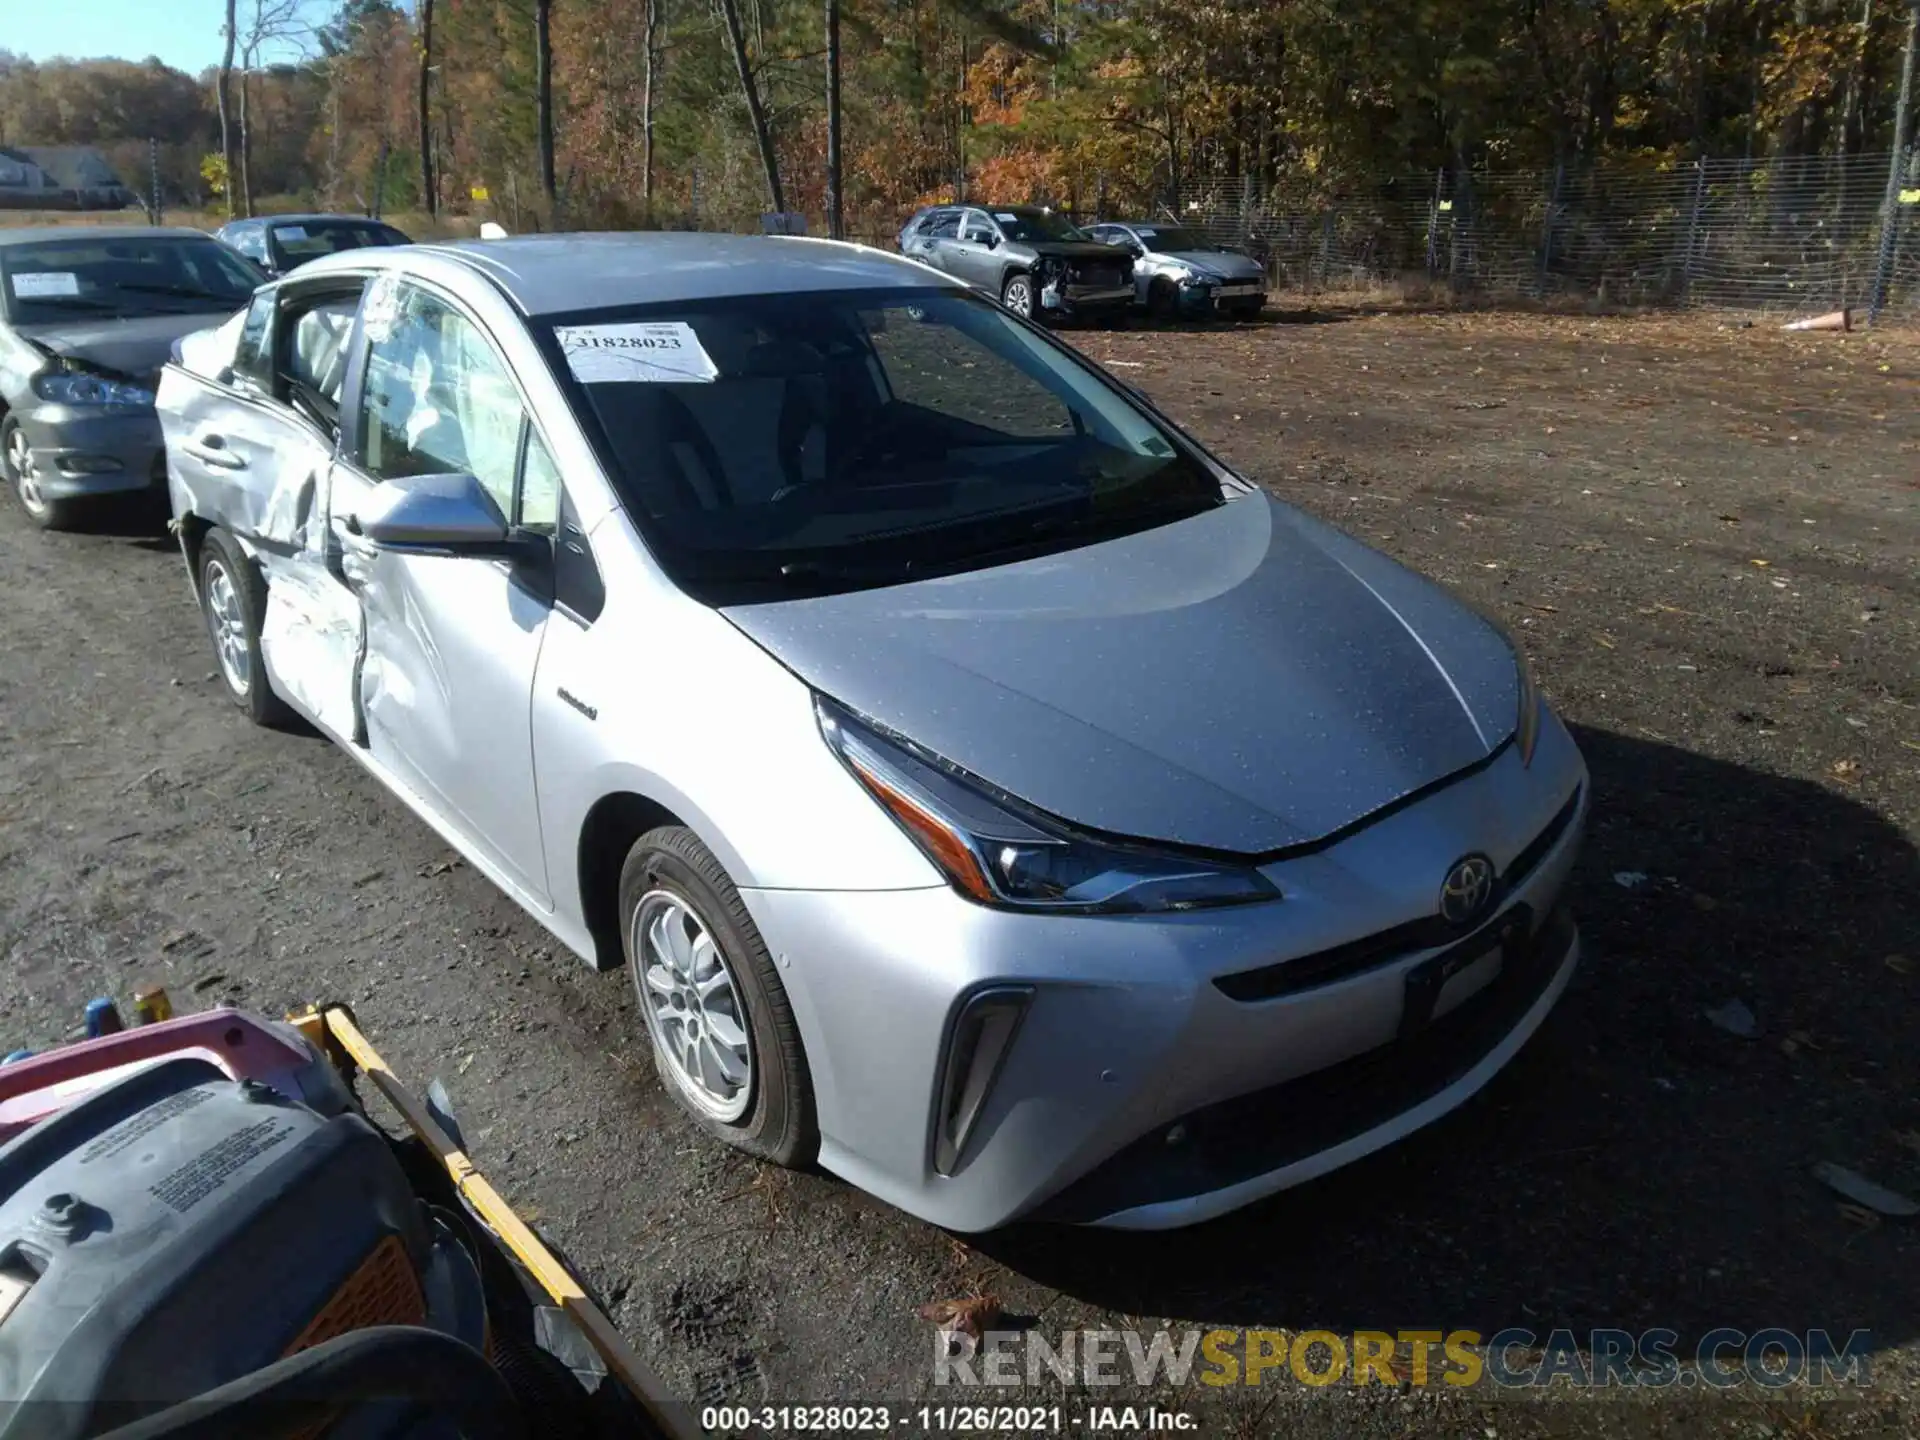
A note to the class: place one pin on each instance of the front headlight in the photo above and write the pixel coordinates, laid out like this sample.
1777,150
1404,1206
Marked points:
1526,725
73,387
998,852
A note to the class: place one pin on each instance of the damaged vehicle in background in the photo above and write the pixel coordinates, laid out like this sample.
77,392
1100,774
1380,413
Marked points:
279,243
1179,272
1038,264
987,793
88,315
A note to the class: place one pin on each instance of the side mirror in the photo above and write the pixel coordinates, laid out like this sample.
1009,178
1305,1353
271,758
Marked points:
992,242
433,514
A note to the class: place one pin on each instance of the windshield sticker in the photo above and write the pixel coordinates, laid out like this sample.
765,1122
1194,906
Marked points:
43,284
659,353
290,232
1003,216
1146,232
381,308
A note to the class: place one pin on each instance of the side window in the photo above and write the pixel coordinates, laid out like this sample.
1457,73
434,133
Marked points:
253,355
977,228
310,367
943,226
539,487
253,244
438,399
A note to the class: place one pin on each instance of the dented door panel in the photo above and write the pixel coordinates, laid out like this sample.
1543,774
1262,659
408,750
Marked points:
250,466
446,689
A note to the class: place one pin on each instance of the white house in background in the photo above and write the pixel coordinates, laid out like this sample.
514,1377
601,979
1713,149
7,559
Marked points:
60,177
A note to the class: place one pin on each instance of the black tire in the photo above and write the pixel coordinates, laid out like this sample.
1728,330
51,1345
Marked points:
778,1123
223,563
48,514
1163,301
1016,293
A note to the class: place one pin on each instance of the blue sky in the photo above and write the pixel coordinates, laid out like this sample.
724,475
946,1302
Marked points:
184,33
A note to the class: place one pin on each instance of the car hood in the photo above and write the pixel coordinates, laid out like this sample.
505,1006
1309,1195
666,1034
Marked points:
1245,680
1071,250
1224,263
136,348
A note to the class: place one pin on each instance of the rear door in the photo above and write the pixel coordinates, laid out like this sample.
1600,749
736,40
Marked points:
975,256
937,240
251,450
445,687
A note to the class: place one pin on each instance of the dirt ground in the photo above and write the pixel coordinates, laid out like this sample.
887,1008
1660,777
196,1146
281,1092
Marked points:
1707,537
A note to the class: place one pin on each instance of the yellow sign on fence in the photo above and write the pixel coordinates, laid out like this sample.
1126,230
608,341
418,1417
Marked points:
1910,197
479,192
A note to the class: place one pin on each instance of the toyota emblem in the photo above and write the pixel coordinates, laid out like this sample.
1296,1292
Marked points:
1466,890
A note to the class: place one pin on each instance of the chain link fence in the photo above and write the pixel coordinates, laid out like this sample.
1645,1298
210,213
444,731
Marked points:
1800,234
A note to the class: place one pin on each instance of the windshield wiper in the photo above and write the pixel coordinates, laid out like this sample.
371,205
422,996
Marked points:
184,292
71,302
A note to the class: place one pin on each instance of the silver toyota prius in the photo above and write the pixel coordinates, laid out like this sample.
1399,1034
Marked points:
991,797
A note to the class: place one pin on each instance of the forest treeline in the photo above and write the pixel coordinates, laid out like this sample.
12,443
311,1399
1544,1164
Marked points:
622,112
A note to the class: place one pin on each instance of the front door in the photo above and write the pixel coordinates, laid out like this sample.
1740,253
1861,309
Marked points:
446,679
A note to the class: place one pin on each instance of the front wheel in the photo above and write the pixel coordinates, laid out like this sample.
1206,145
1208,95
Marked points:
16,459
1017,295
724,1039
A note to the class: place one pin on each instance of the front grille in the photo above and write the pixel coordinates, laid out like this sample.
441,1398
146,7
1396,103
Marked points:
1356,957
1270,1129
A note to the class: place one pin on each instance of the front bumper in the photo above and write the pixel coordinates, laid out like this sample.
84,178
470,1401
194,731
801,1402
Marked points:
86,450
1084,301
1141,1023
1203,300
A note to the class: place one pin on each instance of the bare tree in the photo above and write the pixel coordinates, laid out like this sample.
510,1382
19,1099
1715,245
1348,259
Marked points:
231,31
836,219
756,111
428,196
650,45
543,81
268,22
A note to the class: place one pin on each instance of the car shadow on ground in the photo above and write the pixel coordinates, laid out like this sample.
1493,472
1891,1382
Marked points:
1636,1166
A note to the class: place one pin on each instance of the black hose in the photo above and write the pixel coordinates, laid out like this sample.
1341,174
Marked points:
436,1373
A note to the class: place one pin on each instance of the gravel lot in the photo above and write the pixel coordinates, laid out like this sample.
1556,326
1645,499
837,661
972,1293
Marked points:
1707,536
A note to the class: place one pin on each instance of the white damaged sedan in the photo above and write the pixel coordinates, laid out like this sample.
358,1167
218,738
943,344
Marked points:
989,795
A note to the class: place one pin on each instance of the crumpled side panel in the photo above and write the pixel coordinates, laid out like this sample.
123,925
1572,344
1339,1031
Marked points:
239,465
310,639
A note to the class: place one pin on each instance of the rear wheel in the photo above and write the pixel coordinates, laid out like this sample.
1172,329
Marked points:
723,1034
16,459
233,600
1162,300
1017,295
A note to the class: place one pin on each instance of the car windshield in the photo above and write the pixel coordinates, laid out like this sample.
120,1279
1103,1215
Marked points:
51,281
1171,237
310,239
784,445
1036,225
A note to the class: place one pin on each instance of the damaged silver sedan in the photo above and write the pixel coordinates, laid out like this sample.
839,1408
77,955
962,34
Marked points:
988,794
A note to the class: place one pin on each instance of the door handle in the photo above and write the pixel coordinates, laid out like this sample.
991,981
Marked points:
212,450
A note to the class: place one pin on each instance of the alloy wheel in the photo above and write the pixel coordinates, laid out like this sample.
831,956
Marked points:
692,1001
228,626
26,476
1020,296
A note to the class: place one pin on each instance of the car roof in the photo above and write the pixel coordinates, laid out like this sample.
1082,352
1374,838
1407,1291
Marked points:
308,217
33,235
555,274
